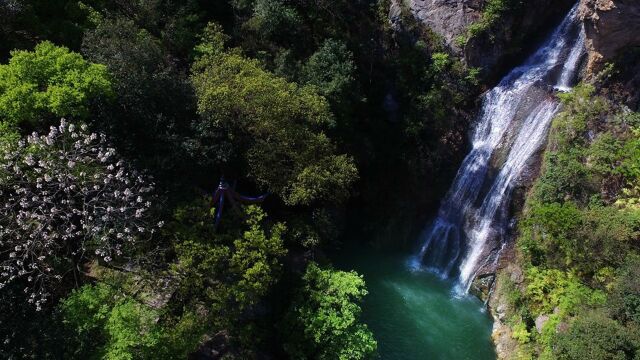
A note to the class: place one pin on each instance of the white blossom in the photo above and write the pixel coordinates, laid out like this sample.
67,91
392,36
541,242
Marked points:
45,206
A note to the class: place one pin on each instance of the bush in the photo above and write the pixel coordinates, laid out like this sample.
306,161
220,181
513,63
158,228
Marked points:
554,290
595,336
625,296
108,324
231,270
585,240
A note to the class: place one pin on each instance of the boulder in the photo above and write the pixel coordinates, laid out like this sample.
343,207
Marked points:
448,18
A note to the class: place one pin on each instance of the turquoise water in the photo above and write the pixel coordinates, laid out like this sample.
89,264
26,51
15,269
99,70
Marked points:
414,314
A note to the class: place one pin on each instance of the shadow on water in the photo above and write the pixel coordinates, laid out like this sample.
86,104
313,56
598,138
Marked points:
414,314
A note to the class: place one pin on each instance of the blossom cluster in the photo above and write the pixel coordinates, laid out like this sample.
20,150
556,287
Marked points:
65,198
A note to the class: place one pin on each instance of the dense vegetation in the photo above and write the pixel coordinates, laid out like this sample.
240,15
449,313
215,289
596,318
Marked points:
578,239
117,120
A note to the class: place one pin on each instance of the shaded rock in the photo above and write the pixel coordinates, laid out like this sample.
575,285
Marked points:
213,348
516,33
501,311
481,286
516,275
506,345
499,306
514,36
562,327
610,27
448,18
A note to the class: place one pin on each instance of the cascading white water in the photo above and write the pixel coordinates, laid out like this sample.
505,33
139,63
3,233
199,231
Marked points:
514,120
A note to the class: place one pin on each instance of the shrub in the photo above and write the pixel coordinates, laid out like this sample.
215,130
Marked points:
550,289
625,296
109,324
594,336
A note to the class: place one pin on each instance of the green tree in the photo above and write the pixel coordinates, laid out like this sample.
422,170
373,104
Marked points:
26,22
625,297
107,323
324,320
276,128
331,69
273,17
595,336
154,104
50,81
230,270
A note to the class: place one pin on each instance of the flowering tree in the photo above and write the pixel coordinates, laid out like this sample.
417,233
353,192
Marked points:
65,198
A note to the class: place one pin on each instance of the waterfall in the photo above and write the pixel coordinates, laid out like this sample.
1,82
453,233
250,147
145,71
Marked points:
511,129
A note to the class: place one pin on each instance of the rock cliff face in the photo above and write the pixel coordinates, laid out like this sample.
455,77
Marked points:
507,347
610,26
515,35
448,18
511,38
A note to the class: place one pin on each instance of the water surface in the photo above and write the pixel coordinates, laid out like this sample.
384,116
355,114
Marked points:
414,314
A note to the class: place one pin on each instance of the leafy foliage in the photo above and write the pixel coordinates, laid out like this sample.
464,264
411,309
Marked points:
273,17
231,271
330,69
49,82
587,240
579,234
594,336
108,324
279,125
625,295
154,103
553,290
323,322
306,95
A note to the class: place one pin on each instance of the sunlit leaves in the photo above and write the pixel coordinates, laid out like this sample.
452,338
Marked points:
50,81
324,322
276,127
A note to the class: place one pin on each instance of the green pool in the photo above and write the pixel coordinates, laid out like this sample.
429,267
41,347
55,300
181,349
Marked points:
414,314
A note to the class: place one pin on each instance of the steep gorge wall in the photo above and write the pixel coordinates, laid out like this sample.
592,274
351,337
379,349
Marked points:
514,35
611,26
447,18
509,39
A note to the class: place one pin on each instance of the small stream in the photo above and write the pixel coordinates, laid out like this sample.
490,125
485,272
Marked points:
414,314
